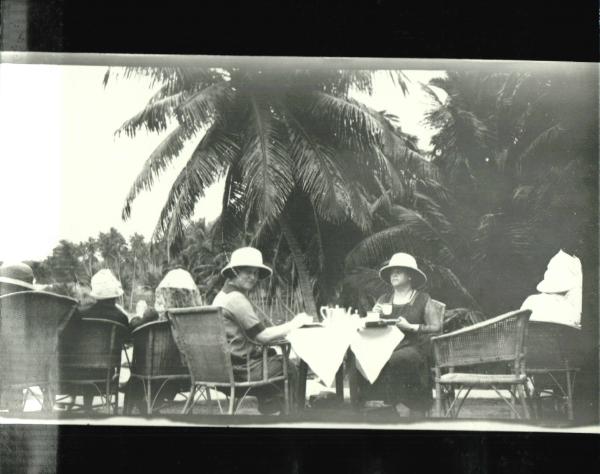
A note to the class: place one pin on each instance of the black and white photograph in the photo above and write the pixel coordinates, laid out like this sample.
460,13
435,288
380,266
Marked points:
294,242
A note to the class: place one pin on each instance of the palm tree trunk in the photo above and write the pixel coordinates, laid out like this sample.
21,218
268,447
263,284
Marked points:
132,284
306,290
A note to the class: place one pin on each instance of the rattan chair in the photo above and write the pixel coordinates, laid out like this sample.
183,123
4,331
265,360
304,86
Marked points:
500,339
358,397
30,322
553,359
90,356
200,334
156,363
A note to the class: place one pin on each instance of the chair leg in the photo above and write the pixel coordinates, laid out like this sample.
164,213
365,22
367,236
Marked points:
438,399
190,401
232,401
570,413
149,398
49,396
286,397
523,397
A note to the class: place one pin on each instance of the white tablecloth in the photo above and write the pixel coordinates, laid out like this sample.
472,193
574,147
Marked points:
373,348
324,348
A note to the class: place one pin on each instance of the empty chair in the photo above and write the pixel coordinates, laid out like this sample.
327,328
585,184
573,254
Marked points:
30,323
500,339
200,334
90,360
156,368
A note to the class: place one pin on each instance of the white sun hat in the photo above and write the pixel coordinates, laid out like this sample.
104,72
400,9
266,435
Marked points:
562,274
247,257
178,278
105,285
404,261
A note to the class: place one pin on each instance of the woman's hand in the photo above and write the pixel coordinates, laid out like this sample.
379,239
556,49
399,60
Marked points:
403,324
378,308
301,319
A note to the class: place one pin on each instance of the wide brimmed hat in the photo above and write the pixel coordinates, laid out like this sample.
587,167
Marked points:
105,285
247,257
178,278
18,274
562,274
404,261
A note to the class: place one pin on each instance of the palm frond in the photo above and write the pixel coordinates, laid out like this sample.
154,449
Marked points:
399,148
200,108
348,121
400,79
154,117
316,170
157,162
265,163
213,154
410,236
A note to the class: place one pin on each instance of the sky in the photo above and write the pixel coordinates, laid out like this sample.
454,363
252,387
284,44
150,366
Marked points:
65,174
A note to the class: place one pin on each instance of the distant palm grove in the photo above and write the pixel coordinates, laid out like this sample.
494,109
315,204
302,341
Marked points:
328,188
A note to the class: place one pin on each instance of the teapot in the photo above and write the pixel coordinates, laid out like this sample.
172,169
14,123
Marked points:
336,314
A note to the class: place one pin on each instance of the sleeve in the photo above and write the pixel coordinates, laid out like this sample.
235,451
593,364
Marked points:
243,313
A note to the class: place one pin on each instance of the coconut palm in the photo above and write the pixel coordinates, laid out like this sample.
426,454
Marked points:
512,148
271,133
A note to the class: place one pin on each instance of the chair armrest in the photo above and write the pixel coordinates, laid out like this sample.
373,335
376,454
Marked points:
474,327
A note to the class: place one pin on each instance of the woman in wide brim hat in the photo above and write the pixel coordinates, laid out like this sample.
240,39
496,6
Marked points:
245,326
407,263
406,377
246,257
560,298
15,277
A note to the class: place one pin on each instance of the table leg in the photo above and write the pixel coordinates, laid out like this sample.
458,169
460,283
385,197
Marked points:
302,375
339,384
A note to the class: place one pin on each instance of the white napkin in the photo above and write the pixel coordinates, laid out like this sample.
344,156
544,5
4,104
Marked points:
372,349
323,349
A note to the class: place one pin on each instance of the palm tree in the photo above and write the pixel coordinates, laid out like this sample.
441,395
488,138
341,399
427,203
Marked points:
273,133
113,249
88,250
138,252
513,149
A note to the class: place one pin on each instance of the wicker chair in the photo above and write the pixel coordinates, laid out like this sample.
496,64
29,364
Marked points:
359,397
156,363
30,323
553,359
90,356
500,339
200,334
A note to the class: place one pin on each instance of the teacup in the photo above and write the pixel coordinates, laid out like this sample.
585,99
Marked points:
386,309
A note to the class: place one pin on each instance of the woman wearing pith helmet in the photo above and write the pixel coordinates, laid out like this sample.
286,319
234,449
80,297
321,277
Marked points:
15,277
406,377
243,324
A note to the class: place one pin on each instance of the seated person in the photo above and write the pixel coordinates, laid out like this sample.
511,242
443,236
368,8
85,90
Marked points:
243,325
406,377
106,289
176,290
15,277
559,300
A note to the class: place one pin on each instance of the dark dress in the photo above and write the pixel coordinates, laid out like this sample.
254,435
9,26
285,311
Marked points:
406,377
